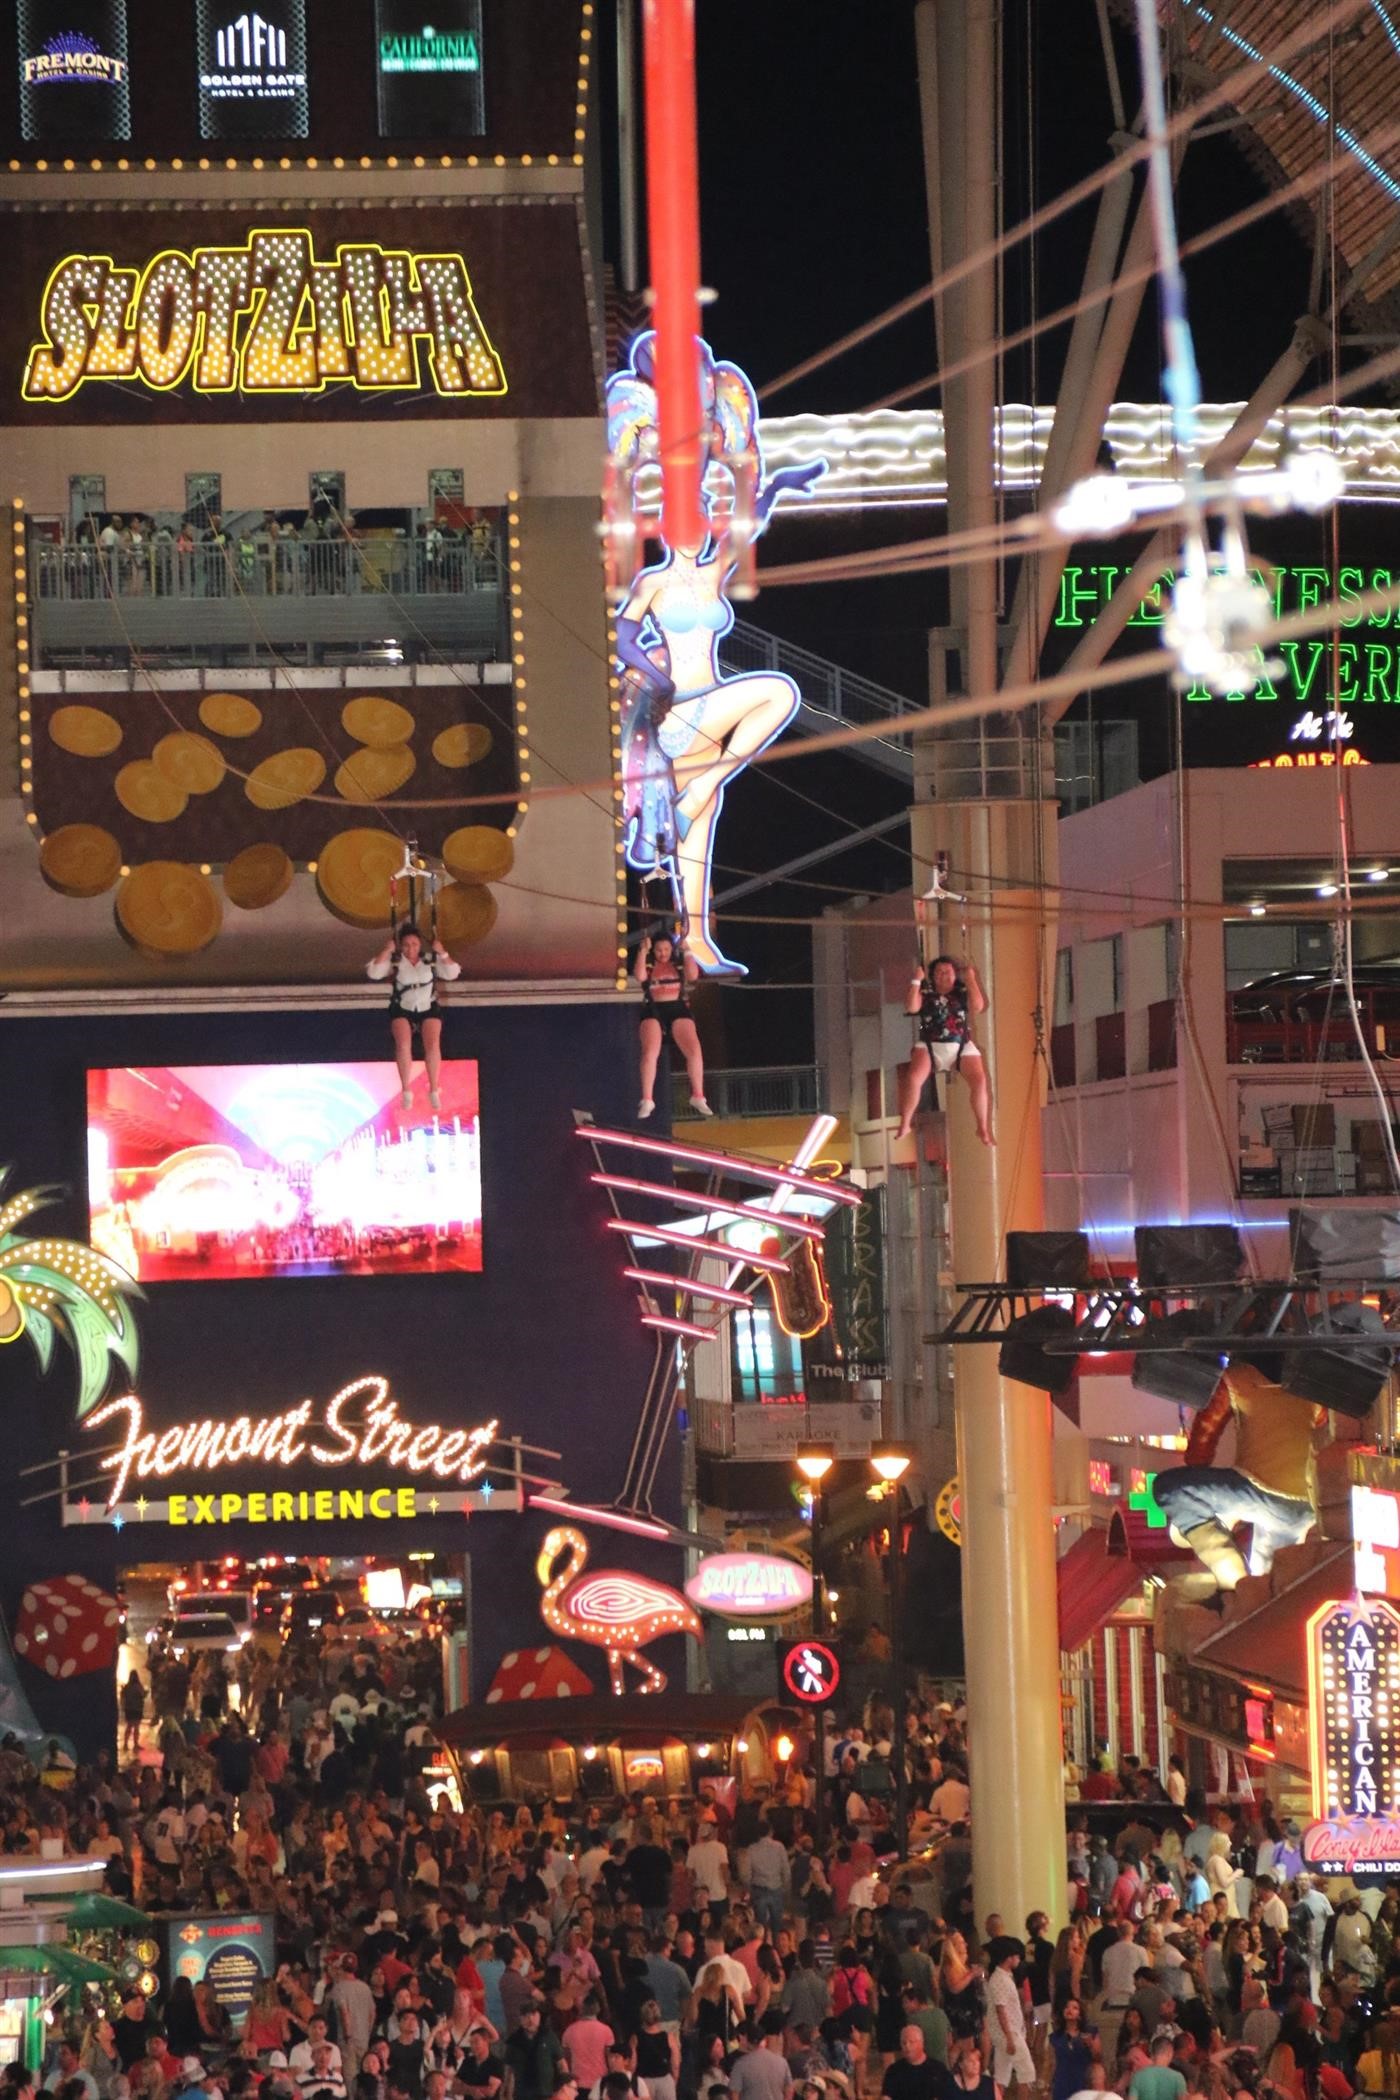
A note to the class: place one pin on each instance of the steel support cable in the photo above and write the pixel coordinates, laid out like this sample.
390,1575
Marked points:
1238,222
1223,94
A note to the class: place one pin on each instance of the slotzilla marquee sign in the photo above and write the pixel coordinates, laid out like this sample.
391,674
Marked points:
1354,1713
359,1427
269,317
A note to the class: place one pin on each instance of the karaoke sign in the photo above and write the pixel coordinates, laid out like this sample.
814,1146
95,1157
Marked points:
1354,1702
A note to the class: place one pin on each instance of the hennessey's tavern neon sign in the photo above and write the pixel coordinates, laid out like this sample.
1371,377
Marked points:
370,1433
269,317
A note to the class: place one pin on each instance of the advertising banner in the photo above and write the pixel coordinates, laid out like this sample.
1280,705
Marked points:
185,316
233,1955
428,69
74,75
252,70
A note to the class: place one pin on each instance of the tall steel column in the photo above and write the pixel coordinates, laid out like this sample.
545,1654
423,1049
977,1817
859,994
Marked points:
1000,838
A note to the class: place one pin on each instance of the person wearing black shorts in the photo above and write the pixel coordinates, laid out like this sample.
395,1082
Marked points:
414,973
665,972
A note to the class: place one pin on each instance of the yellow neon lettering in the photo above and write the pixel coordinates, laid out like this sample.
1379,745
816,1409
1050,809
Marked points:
282,1507
406,1500
303,1505
229,1507
113,352
281,273
221,292
257,1509
166,321
378,1495
267,317
324,1504
352,1502
176,1508
203,1509
57,364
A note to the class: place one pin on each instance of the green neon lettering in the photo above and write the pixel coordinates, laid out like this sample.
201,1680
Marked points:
1311,585
1302,686
1349,585
1380,666
1073,595
1347,653
1381,580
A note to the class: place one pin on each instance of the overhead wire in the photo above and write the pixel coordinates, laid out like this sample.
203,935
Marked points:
1223,94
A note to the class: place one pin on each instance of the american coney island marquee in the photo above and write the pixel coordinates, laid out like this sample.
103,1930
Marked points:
353,1456
1354,1714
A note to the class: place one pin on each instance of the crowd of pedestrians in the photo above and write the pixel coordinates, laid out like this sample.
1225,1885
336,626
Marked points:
707,1948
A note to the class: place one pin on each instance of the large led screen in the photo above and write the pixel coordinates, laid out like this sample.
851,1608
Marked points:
198,1172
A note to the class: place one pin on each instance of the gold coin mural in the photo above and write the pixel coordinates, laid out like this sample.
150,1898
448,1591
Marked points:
376,771
466,912
378,723
464,744
166,908
257,877
80,860
478,853
88,732
285,778
191,763
229,714
353,875
145,792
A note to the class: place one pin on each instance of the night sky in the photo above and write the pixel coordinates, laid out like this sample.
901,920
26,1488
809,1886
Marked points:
813,220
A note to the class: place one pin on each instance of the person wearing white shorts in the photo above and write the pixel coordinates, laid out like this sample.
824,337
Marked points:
943,998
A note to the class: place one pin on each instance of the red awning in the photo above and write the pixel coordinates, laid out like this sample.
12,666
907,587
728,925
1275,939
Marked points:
1092,1580
1261,1638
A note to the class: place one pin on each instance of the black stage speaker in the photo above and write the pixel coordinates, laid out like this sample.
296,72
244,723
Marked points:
1183,1374
1188,1254
1349,1380
1024,1357
1056,1261
1362,1244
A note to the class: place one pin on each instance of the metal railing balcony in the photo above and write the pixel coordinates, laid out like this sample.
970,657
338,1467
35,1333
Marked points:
753,1090
81,572
252,598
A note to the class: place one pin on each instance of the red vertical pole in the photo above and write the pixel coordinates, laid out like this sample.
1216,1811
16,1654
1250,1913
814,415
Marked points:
673,233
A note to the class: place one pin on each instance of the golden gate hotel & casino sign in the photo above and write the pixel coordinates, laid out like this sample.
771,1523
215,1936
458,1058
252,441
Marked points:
1354,1708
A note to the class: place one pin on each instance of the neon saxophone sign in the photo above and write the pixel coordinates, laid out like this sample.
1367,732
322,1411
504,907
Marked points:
269,317
379,1437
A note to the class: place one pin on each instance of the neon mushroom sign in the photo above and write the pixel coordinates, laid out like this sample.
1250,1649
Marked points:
749,1585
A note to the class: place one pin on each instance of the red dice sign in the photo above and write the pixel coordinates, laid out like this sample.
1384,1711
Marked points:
68,1626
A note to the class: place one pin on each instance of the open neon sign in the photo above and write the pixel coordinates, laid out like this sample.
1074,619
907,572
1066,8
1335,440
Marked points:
360,1425
270,317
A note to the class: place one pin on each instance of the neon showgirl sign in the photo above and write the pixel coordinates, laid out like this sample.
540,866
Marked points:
688,728
343,1434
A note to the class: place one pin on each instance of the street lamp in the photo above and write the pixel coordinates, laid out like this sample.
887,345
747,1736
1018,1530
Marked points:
814,1462
890,1463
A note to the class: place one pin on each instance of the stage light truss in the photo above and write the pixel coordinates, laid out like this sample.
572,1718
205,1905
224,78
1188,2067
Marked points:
1293,1315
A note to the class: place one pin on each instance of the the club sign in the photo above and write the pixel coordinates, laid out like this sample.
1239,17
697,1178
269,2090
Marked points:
749,1585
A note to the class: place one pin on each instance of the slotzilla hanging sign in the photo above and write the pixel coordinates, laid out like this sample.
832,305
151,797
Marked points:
749,1585
1354,1702
359,1429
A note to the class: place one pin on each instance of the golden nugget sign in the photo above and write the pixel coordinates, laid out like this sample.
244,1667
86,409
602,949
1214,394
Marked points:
269,317
360,1426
